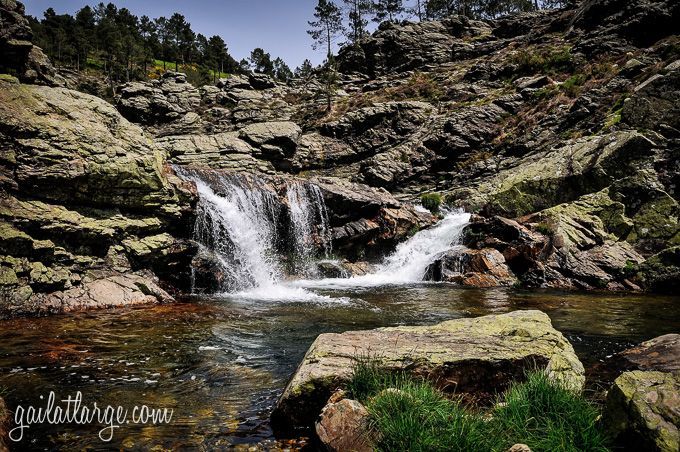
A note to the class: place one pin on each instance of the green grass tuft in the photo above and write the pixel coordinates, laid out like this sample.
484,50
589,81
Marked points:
547,417
431,201
411,414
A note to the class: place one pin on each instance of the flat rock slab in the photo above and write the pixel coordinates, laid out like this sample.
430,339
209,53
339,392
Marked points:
476,357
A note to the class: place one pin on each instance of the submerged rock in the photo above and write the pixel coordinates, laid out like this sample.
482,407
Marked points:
478,357
642,411
660,354
97,293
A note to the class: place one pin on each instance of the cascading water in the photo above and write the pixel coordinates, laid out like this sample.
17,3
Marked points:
238,221
258,238
410,260
308,214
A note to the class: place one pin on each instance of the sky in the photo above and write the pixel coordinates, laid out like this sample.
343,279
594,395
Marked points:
278,26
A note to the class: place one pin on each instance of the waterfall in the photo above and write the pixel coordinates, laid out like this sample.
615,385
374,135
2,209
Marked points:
307,213
410,260
238,219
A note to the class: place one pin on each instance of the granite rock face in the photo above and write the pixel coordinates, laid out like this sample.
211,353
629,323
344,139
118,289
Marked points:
475,356
79,182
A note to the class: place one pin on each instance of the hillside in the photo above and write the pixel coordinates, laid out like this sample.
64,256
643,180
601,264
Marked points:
558,129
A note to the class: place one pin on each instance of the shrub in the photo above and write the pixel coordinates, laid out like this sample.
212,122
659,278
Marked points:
431,201
547,60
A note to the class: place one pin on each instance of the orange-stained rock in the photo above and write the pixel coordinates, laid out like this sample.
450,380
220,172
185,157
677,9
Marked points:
343,426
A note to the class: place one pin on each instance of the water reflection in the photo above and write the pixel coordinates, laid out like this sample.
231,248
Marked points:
221,362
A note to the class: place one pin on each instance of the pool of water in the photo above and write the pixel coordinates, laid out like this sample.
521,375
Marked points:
221,362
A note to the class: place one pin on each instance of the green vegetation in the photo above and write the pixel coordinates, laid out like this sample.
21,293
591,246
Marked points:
409,413
546,417
572,85
545,228
431,201
125,47
419,86
548,60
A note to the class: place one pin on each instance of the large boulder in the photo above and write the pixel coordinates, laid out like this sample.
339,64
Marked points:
642,411
65,146
660,354
218,151
589,249
367,219
478,357
275,140
166,104
474,268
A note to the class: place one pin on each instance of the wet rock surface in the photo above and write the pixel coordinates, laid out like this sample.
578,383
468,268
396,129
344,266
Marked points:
475,356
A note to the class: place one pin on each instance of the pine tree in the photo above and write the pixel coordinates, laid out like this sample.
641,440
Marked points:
388,10
281,70
261,62
324,30
177,26
304,70
357,11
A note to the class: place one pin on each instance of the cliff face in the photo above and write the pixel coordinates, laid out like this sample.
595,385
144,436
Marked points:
559,129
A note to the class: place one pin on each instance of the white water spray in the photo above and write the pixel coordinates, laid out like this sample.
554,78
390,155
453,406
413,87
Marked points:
239,219
410,260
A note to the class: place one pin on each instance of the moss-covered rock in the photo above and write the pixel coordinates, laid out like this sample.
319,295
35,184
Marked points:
469,356
72,147
642,411
661,272
564,174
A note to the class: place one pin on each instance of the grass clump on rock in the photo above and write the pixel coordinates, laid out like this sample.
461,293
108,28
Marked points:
431,201
410,414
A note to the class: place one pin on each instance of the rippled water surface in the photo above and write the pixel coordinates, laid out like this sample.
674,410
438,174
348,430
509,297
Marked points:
220,363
